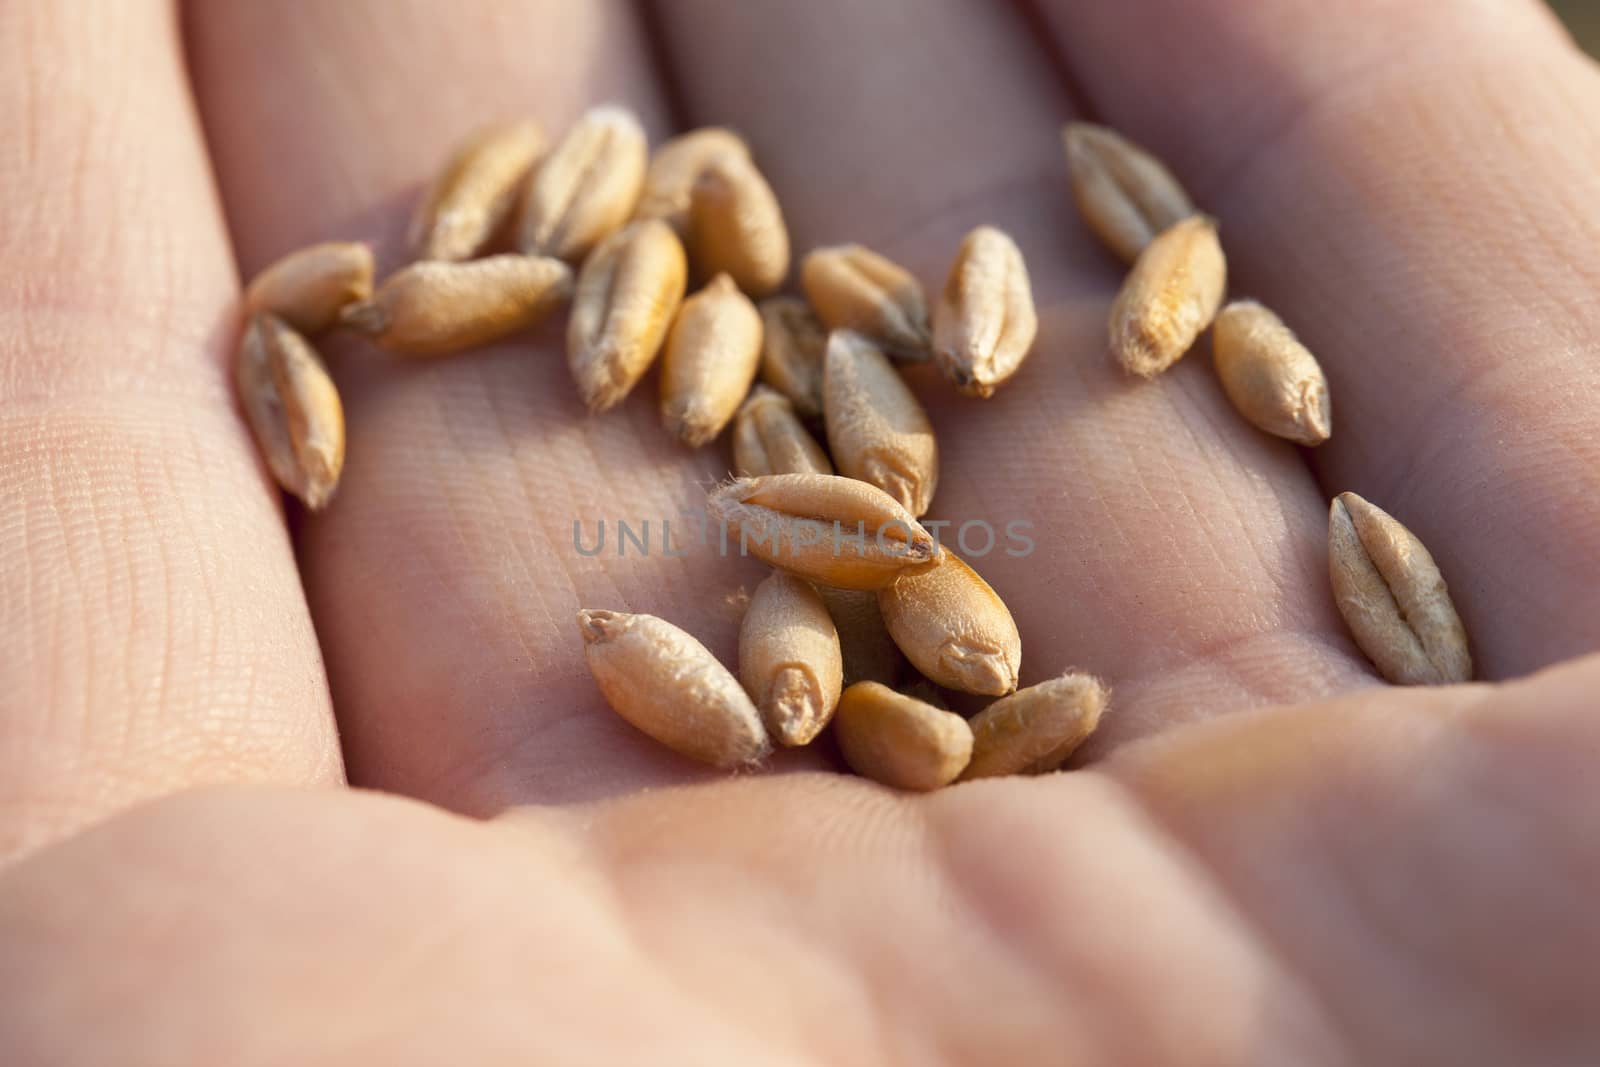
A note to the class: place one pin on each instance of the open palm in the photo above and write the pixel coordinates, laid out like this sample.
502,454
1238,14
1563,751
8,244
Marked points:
1335,872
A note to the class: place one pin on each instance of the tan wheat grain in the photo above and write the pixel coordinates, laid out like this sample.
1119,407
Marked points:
709,362
985,324
953,627
835,531
736,226
898,740
670,686
792,346
1125,195
854,288
877,431
436,307
1170,297
309,287
293,409
627,294
769,438
1037,728
587,186
675,167
1392,596
789,658
1272,379
472,198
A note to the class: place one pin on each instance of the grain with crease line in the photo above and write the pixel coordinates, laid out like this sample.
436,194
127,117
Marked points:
877,430
824,528
473,197
851,287
1392,596
769,438
676,166
293,409
792,346
1125,195
984,324
627,294
587,186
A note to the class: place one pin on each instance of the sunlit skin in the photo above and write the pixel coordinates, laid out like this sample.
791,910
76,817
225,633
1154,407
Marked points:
1265,856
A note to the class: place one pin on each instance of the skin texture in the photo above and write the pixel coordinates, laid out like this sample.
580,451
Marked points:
1325,870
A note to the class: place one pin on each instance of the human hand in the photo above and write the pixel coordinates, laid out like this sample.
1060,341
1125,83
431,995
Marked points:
1368,875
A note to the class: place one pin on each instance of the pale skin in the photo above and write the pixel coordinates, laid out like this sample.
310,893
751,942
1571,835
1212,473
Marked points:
1267,855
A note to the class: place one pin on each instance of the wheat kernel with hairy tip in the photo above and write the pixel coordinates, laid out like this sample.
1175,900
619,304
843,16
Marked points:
870,654
671,687
436,308
587,186
769,438
854,288
953,627
676,166
736,226
627,294
710,359
1075,701
898,740
310,286
293,409
789,658
830,530
1272,379
473,196
1170,297
1037,728
1125,194
792,346
877,431
985,324
1393,598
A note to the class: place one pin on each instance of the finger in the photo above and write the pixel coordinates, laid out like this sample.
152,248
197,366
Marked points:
155,634
1176,551
1427,227
1345,882
1416,848
446,578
